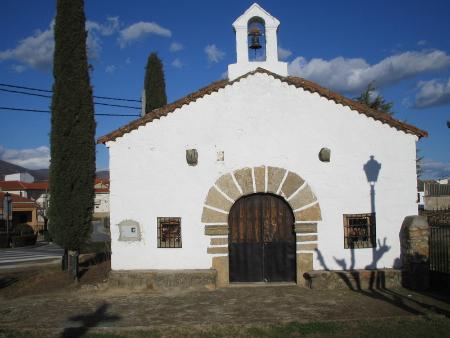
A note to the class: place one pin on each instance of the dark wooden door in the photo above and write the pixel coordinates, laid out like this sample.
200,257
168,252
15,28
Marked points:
261,240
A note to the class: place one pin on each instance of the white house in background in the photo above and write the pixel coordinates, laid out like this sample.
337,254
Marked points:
262,176
21,177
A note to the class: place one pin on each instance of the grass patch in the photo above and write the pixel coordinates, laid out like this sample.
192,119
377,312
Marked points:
394,327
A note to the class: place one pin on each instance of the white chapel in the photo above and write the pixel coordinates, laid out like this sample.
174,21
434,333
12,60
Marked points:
260,177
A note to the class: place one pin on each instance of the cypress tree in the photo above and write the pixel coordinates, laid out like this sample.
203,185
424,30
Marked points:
154,84
72,139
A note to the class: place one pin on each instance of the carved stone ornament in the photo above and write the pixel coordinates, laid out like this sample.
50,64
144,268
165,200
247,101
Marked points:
192,157
325,155
129,231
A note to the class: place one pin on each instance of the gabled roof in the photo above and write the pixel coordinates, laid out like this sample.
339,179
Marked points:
12,185
18,185
291,80
19,201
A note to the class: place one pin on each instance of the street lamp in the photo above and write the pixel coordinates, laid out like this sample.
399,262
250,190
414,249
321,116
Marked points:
7,210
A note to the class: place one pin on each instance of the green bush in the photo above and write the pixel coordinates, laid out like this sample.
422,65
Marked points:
47,236
23,229
4,241
24,240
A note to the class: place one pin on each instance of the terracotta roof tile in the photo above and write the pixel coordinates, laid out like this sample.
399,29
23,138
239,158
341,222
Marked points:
17,200
12,185
291,80
17,185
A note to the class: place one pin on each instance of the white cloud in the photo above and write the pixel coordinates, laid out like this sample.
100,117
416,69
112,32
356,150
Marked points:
36,51
96,31
111,26
434,169
213,53
421,42
175,47
18,68
140,29
110,69
353,75
128,60
283,54
177,63
432,93
33,158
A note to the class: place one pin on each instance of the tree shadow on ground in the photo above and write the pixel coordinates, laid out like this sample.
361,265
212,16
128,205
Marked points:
376,287
7,281
88,321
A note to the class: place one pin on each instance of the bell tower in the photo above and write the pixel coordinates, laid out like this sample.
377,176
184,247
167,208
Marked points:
256,43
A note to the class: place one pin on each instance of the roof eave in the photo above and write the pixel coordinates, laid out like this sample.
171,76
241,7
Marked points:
294,81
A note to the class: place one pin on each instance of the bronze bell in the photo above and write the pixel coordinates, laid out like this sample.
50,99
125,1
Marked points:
254,34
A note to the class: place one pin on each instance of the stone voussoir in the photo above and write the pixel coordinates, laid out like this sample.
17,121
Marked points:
311,213
216,230
213,216
245,180
274,177
217,200
308,246
219,241
260,178
218,250
304,228
302,198
307,238
227,185
291,184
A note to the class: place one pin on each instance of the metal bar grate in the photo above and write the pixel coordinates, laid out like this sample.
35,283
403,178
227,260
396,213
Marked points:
359,231
169,232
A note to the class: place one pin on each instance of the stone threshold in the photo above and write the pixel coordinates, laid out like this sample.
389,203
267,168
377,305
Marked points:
259,284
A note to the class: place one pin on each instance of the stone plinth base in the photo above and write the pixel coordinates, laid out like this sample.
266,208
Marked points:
354,280
160,280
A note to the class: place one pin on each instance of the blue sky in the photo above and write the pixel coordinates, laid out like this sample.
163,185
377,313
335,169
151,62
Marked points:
403,46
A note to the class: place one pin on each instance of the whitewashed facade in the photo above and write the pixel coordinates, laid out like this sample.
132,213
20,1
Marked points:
251,126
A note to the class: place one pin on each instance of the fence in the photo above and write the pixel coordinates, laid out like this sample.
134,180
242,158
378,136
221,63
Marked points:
439,221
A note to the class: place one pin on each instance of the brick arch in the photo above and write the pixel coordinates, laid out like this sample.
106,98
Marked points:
279,181
246,181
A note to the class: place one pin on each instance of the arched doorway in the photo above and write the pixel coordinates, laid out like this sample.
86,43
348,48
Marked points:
261,240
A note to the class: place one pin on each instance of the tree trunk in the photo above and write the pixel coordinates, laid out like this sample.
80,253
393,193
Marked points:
73,264
64,261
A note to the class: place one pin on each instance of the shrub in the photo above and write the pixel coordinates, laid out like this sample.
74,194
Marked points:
23,229
4,241
24,240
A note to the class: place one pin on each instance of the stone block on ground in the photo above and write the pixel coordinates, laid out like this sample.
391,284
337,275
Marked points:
354,279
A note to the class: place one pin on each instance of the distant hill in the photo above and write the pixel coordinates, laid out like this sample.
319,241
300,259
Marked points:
7,168
104,174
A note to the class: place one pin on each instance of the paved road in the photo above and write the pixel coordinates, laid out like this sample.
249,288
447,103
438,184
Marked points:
42,253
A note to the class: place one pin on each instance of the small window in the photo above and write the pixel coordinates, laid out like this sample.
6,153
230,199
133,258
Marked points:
359,231
169,232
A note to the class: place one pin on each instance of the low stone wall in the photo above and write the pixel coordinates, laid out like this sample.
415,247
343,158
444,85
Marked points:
414,237
354,279
164,279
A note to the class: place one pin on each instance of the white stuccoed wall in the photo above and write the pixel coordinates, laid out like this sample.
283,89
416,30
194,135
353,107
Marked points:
258,121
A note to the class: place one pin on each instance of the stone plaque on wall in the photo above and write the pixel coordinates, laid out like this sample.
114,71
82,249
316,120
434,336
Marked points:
129,230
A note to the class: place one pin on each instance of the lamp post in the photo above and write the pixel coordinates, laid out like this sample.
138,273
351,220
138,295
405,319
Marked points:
7,210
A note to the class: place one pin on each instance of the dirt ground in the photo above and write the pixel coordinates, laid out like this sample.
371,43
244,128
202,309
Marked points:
47,299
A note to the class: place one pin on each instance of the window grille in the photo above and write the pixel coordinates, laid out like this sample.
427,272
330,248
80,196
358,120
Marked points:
359,231
169,232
